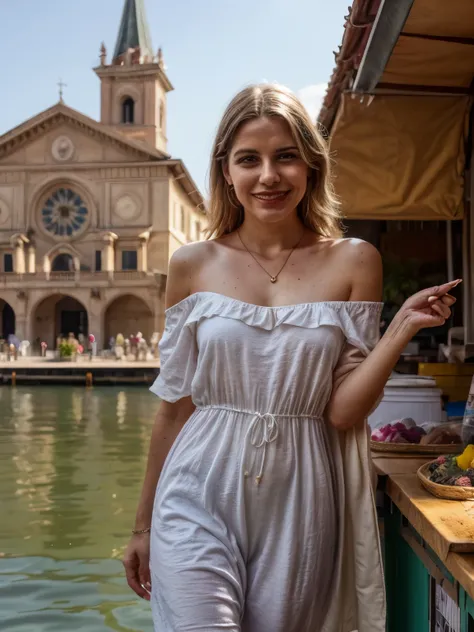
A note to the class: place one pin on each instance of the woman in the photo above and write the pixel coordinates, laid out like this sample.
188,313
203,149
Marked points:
263,518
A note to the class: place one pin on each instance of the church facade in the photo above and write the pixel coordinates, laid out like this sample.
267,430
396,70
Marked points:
91,212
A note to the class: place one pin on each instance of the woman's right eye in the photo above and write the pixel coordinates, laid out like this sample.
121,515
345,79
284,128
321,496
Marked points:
247,160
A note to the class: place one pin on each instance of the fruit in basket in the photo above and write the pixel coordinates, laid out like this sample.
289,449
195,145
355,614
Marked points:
446,474
403,431
463,481
465,459
454,470
441,460
440,474
470,474
441,435
406,431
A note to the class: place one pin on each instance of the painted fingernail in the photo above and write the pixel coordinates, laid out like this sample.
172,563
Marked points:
148,586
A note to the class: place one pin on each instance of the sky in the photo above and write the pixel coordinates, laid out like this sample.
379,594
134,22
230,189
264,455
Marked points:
212,49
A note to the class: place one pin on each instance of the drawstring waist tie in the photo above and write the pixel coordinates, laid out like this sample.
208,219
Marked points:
262,431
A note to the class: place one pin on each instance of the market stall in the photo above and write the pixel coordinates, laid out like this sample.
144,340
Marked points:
398,112
429,552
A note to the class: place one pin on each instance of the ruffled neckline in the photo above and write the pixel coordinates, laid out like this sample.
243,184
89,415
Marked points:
193,298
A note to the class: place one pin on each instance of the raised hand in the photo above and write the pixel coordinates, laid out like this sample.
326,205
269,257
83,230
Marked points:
428,308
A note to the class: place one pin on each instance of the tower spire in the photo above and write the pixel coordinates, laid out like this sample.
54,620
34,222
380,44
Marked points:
134,33
134,83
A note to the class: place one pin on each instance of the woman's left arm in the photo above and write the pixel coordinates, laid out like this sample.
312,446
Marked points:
354,397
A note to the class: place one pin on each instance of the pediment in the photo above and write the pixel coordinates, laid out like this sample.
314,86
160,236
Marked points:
62,135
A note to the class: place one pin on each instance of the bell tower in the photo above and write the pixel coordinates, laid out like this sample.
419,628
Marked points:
134,85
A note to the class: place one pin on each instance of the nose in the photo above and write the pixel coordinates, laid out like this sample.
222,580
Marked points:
269,174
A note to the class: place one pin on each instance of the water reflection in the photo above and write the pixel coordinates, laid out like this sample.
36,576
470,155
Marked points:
71,465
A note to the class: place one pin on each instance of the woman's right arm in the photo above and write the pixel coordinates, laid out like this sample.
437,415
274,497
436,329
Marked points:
169,420
168,423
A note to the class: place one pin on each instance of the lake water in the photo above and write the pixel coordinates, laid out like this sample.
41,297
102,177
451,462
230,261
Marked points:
71,466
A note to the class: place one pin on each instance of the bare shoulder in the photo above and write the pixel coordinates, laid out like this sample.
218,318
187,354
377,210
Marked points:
358,251
363,264
184,265
191,254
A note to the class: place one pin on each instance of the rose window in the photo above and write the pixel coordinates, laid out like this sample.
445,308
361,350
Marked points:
64,213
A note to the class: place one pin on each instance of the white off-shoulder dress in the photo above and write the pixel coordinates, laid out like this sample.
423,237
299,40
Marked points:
249,529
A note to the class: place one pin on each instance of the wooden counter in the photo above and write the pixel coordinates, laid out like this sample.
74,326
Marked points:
446,526
386,464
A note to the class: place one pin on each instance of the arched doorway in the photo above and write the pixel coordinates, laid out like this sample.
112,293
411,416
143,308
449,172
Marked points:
59,315
128,315
7,320
63,263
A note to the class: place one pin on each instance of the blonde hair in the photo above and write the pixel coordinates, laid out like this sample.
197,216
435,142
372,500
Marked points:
319,208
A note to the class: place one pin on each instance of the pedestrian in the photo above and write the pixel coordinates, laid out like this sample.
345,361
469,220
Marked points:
257,510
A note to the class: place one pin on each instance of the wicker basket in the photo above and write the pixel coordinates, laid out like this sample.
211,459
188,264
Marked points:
415,448
447,492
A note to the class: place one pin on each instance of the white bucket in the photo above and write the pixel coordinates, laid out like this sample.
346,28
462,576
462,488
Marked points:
409,397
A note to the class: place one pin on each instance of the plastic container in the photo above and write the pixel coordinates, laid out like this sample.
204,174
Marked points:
468,420
409,396
455,409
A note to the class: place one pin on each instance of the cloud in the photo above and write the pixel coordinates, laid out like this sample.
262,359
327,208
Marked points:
312,98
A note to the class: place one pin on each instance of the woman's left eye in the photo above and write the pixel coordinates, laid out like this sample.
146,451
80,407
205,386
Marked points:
287,156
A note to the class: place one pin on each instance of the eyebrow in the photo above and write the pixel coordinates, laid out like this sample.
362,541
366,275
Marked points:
254,151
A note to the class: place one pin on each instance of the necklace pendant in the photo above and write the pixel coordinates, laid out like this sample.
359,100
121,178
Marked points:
273,279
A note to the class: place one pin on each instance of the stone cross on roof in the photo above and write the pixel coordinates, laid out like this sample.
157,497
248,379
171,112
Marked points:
61,86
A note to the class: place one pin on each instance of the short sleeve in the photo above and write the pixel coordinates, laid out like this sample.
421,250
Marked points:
361,327
178,354
360,323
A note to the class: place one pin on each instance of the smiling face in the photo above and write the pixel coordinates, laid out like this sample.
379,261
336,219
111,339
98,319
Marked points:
266,169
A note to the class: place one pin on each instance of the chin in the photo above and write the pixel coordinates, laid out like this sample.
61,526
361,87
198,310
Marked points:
272,215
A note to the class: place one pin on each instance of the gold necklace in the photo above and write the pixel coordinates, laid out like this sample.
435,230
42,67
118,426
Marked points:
273,279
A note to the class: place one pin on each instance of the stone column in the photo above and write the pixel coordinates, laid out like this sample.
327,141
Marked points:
158,320
47,267
19,257
143,256
20,328
108,252
29,320
143,251
31,259
95,315
158,312
98,328
77,268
